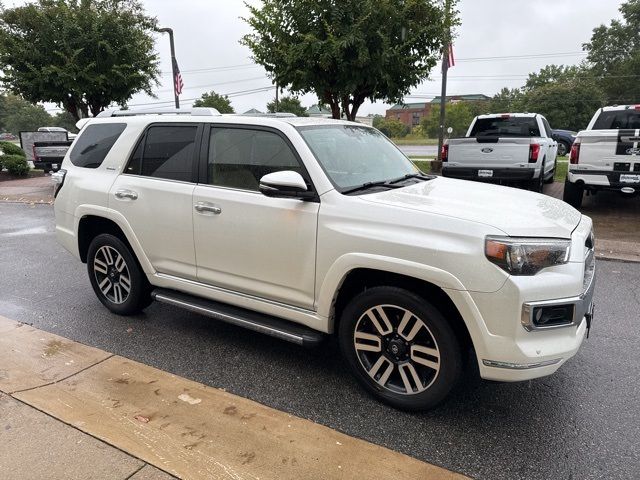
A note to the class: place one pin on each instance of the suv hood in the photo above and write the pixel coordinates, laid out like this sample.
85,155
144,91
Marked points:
515,212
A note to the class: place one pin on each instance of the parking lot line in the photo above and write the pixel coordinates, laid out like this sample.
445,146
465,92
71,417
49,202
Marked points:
182,427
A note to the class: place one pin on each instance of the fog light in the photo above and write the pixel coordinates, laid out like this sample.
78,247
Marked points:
553,315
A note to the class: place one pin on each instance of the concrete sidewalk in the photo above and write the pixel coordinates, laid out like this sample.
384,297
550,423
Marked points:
72,411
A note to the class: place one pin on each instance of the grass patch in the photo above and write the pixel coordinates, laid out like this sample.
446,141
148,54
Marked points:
423,165
414,140
561,171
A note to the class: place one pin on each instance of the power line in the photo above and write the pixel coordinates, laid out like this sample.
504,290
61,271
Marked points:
521,57
215,84
215,69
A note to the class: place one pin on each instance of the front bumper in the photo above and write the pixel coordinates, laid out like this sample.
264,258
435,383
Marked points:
510,346
499,174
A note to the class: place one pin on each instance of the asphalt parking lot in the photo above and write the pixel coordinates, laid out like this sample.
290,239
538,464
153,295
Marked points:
580,423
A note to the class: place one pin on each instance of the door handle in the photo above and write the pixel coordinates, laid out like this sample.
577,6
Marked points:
130,194
203,207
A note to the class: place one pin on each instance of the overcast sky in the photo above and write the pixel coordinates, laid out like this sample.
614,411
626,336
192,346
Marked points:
210,57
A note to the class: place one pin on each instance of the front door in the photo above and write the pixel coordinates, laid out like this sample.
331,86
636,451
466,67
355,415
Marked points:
247,242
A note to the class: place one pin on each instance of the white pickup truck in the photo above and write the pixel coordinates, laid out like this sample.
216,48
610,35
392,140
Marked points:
606,156
503,147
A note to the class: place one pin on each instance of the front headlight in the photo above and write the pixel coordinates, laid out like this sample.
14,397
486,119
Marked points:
526,256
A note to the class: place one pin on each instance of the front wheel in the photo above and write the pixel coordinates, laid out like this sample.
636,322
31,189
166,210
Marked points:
400,348
116,277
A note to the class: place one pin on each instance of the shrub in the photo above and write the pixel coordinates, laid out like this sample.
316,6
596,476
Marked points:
392,128
15,164
9,148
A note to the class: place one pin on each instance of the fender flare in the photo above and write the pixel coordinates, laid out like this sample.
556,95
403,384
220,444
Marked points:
82,211
351,261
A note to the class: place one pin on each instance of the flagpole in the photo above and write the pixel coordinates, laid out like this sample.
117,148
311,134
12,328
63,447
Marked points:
443,93
174,63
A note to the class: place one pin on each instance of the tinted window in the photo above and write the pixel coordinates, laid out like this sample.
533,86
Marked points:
165,152
506,127
239,158
618,119
547,127
94,143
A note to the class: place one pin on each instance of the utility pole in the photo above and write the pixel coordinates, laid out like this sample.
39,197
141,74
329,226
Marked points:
443,92
277,106
174,63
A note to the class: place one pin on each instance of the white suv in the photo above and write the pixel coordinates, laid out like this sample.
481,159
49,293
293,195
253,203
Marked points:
302,228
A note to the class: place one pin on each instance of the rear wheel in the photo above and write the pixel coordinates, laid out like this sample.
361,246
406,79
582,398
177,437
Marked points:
537,184
116,277
573,194
563,148
400,348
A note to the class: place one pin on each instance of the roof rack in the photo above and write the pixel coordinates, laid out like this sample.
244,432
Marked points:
273,115
196,111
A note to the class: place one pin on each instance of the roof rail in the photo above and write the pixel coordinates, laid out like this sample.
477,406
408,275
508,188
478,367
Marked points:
196,111
274,115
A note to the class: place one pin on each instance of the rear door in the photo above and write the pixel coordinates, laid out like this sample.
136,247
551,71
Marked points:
155,195
247,242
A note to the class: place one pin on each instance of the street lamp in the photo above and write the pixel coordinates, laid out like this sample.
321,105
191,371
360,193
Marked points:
174,63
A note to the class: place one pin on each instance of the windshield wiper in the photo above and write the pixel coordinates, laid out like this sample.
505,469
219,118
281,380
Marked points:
368,185
420,176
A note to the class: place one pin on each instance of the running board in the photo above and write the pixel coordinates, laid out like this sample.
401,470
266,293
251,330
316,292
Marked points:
258,322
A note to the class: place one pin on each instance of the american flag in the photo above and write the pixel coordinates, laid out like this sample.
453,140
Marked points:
449,60
177,81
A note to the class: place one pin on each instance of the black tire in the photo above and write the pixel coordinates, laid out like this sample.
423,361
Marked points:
573,194
434,334
563,148
112,275
537,184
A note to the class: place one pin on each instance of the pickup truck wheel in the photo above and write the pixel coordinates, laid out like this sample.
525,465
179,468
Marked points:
573,194
537,184
116,277
400,348
563,148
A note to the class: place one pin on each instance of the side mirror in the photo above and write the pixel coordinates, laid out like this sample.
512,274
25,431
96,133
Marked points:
285,184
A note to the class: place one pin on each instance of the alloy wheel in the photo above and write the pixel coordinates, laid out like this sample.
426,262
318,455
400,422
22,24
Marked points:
112,274
396,349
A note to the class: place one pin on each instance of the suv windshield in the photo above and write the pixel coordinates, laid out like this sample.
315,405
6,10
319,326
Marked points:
354,155
506,127
618,119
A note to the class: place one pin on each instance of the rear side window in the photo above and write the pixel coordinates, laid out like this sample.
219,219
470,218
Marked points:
506,127
239,158
94,143
166,151
618,119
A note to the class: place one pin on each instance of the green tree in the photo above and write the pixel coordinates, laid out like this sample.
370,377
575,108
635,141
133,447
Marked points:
614,55
392,128
17,115
348,51
505,101
80,54
288,104
552,74
458,116
65,120
567,104
215,100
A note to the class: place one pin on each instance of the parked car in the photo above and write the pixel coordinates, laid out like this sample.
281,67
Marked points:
565,139
7,137
606,156
70,135
301,228
504,147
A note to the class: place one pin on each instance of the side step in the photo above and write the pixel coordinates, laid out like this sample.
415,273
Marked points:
258,322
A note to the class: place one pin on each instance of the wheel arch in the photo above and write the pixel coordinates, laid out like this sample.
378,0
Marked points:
92,224
360,278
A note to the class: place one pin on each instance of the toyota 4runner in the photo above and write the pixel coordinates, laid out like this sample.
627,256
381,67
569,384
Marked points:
302,228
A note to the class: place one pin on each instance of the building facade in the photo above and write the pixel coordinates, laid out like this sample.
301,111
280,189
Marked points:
411,114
